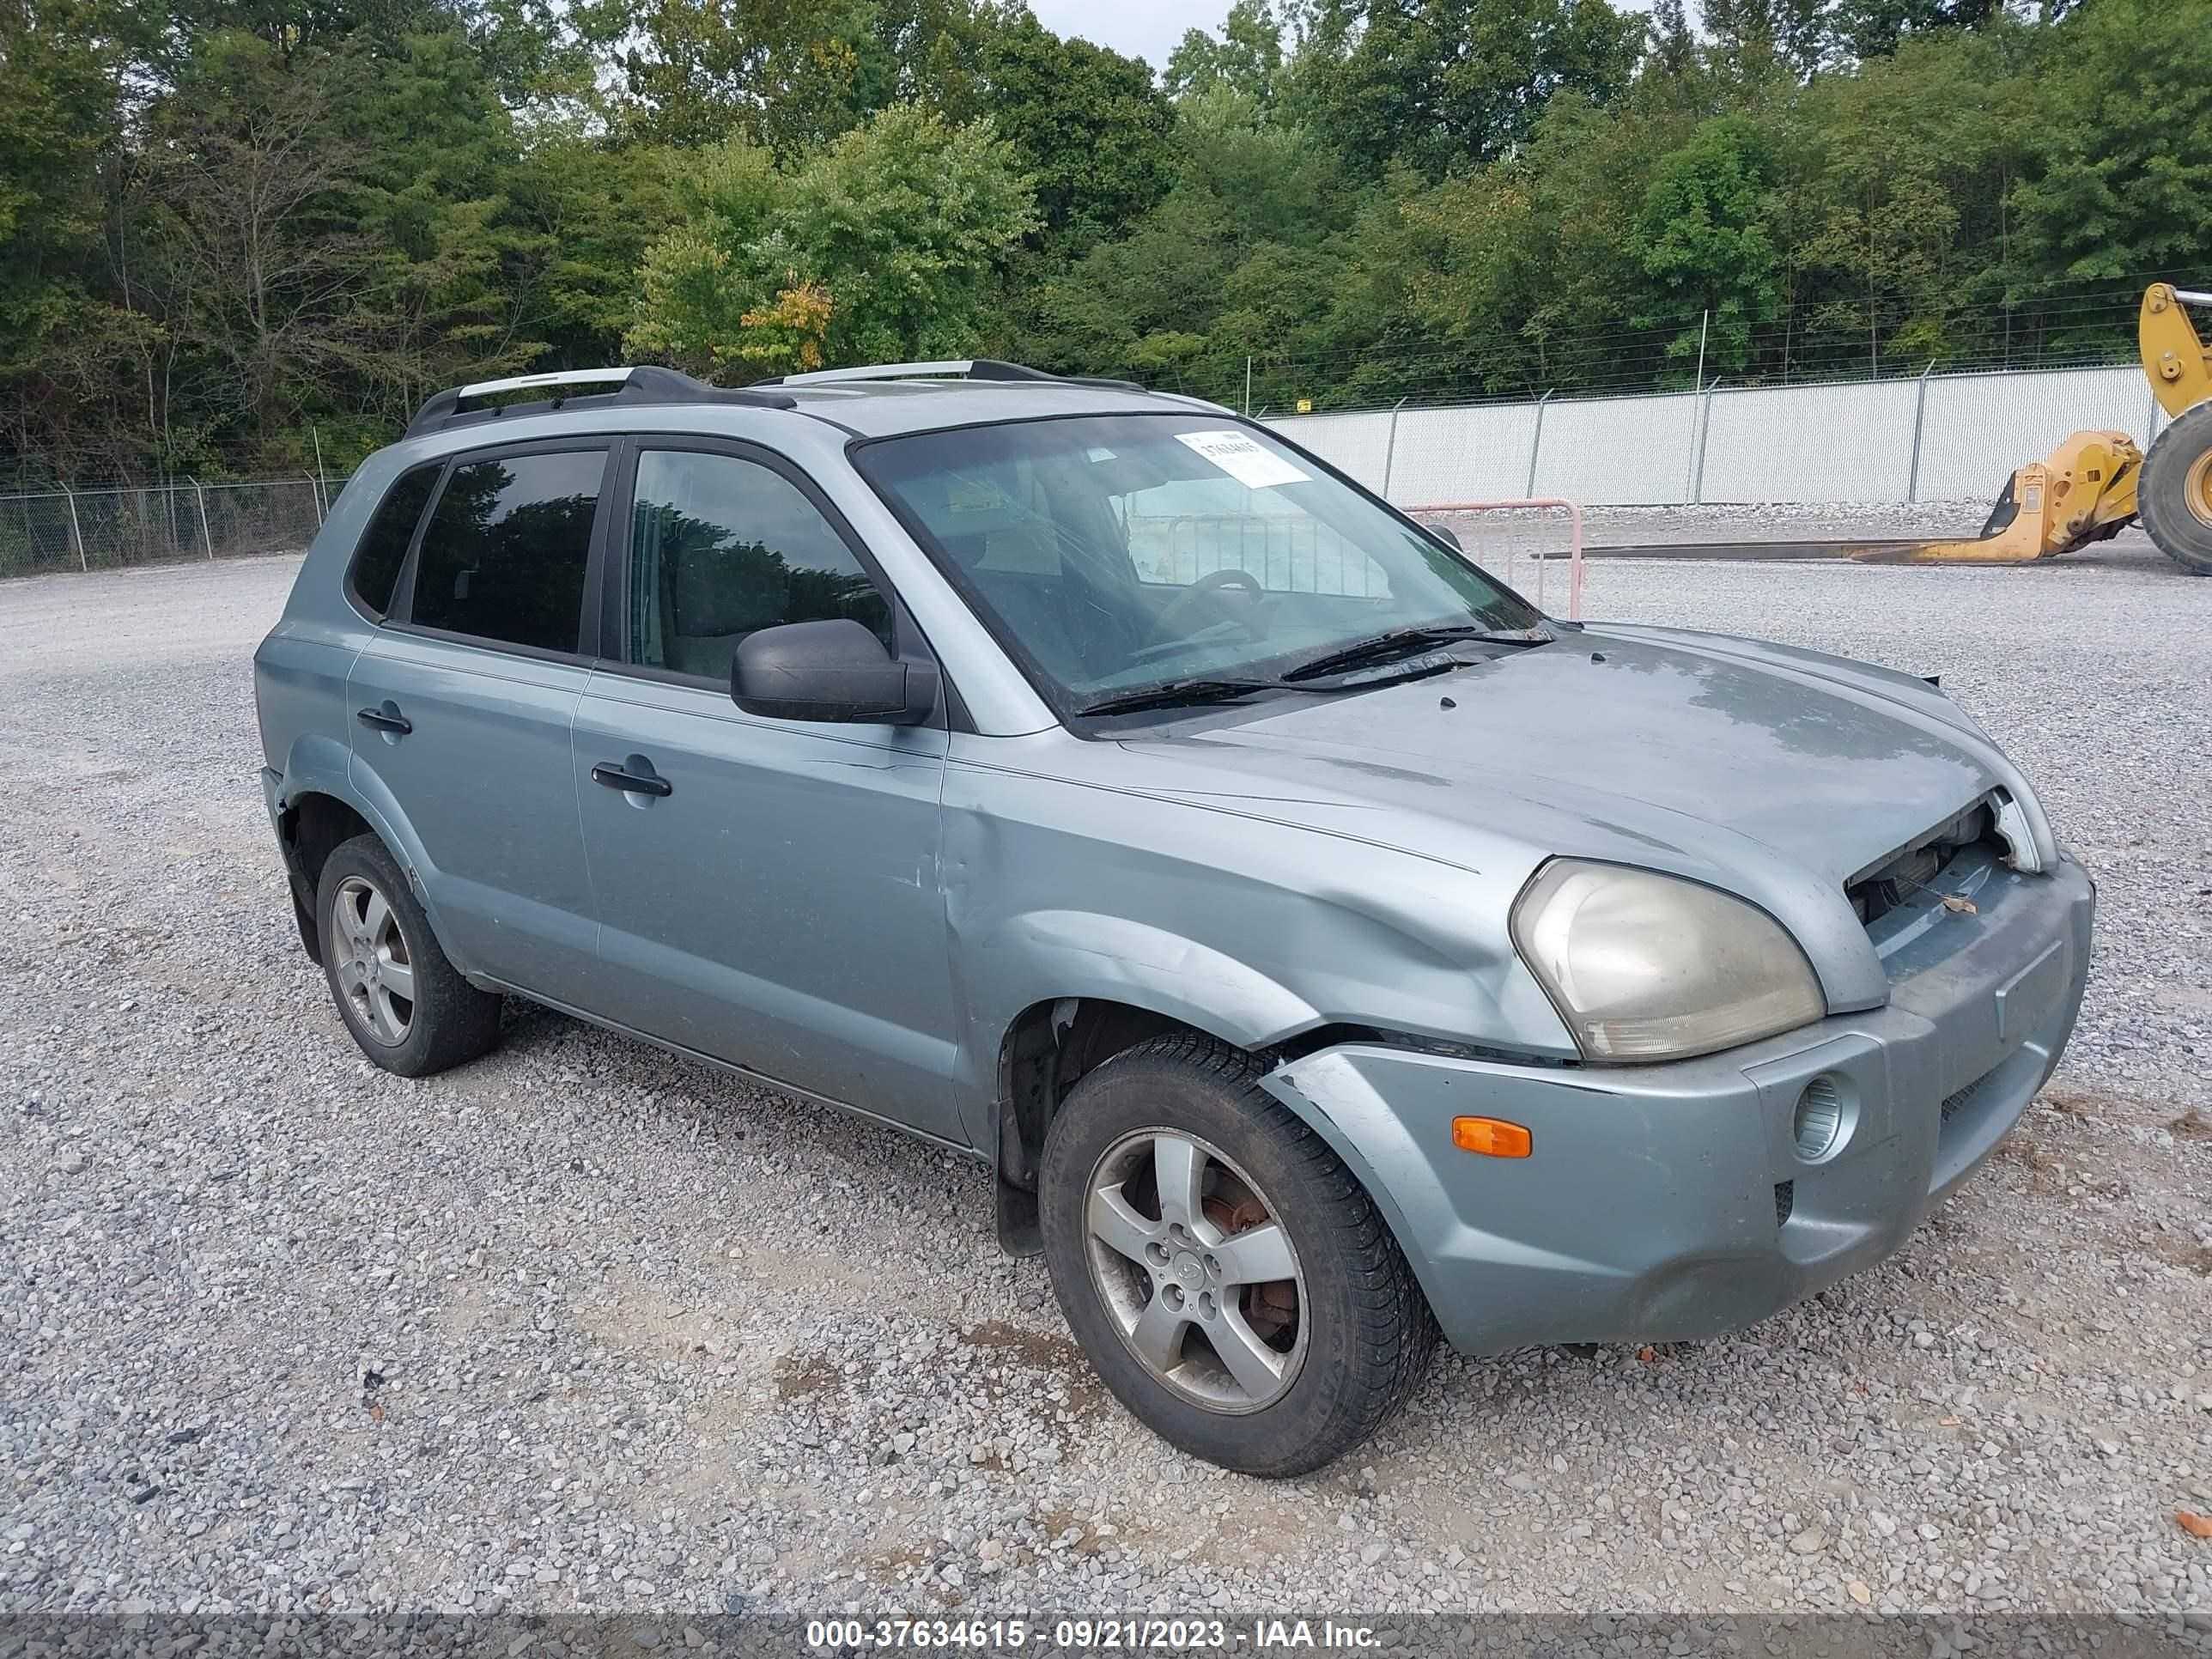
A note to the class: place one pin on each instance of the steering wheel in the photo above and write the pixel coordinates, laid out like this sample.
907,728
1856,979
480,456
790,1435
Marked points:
1208,589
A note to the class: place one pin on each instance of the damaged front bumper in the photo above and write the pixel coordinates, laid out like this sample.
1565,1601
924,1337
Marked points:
1682,1200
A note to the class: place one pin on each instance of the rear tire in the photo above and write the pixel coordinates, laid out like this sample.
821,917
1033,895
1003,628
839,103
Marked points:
406,1005
2174,494
1265,1319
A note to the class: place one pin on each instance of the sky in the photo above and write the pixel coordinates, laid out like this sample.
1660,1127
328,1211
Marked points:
1142,28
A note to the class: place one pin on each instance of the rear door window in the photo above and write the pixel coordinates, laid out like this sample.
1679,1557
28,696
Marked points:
505,554
390,532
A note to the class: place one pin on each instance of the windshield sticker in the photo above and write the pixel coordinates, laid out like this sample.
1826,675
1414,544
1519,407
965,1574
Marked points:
1236,454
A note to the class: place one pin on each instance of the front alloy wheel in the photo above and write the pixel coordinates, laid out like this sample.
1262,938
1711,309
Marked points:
1228,1276
1202,1280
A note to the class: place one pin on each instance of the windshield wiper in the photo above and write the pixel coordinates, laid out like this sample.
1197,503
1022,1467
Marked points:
1180,694
1410,641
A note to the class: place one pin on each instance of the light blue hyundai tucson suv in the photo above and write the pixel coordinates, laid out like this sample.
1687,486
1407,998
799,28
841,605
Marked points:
1325,948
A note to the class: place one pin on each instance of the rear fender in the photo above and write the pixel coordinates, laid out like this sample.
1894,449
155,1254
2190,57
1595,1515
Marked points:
320,766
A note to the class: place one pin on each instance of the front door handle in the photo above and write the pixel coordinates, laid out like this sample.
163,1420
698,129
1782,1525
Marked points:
386,719
616,775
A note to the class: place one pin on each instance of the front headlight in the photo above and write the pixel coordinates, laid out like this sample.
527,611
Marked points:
1643,966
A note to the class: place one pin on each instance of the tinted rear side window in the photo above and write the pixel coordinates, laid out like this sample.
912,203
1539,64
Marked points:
505,553
384,545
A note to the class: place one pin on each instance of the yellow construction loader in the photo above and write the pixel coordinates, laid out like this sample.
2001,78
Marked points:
2096,483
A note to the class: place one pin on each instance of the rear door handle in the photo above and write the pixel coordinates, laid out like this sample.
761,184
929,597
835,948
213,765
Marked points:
613,776
393,721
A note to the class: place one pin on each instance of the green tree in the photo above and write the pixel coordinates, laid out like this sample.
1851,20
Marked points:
1439,85
1899,217
1232,262
1705,239
2123,152
1753,37
264,276
789,74
1246,58
438,159
902,225
1874,28
593,206
68,354
1089,126
1514,279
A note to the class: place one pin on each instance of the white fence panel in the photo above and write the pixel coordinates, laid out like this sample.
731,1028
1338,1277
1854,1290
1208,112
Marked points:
1608,451
1358,444
1980,427
1477,453
1830,443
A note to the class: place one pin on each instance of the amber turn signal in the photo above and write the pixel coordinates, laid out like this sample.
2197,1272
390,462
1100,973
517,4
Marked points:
1493,1137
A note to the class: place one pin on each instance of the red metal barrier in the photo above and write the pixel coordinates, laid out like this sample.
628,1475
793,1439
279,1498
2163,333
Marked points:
1575,539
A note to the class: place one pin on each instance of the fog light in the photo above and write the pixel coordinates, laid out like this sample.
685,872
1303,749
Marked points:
1819,1122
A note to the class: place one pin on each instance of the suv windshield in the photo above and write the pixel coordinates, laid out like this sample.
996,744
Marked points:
1115,553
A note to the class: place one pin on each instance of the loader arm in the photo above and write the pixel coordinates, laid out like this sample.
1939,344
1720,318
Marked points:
2176,361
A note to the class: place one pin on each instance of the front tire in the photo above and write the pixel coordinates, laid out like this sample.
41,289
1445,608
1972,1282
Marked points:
1228,1276
2173,495
406,1005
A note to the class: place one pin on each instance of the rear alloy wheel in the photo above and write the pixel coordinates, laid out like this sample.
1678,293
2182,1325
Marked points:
2173,495
375,977
1229,1278
406,1005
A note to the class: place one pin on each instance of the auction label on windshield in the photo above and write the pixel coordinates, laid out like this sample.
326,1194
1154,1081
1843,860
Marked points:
1236,454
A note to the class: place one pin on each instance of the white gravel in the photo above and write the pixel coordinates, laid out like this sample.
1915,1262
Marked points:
582,1326
1725,521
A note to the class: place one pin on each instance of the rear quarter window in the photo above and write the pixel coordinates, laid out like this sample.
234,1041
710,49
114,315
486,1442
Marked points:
390,531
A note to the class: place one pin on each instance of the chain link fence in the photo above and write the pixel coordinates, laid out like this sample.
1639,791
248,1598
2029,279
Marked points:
65,529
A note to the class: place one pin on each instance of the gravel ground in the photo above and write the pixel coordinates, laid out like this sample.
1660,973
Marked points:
584,1326
1723,521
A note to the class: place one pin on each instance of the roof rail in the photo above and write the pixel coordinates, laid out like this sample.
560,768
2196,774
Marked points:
969,368
972,368
643,384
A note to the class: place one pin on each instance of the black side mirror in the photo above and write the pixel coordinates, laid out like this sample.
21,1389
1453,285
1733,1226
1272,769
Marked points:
829,670
1445,533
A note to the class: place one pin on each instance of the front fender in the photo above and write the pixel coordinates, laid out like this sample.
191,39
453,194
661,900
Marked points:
1084,953
1050,955
1252,929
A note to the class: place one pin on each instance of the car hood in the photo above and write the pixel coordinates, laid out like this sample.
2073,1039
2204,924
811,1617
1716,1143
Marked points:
1771,772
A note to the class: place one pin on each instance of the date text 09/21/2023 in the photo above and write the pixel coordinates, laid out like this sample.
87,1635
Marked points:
1087,1635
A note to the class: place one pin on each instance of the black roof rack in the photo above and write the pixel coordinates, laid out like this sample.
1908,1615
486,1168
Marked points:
964,368
645,384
